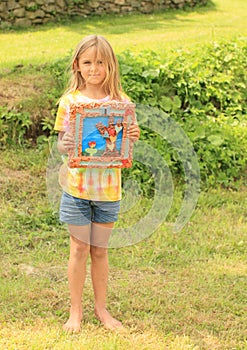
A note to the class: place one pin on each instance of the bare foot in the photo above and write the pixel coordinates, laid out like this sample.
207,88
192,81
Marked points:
107,320
73,325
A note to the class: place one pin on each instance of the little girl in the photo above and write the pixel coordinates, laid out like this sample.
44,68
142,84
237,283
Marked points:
90,214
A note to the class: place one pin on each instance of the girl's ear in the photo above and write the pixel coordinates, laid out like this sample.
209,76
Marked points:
75,65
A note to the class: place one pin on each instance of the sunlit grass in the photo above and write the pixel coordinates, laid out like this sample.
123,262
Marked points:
174,291
158,32
184,290
92,337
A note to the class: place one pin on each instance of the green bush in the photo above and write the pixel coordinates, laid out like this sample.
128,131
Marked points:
14,126
204,91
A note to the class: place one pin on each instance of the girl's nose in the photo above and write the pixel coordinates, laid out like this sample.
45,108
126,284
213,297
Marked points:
93,66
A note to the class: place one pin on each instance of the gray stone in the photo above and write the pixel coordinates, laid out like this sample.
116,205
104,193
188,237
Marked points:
24,2
16,11
3,9
47,20
147,7
49,8
36,14
61,3
19,12
22,22
48,16
114,9
38,21
134,3
31,4
12,4
120,2
94,4
126,9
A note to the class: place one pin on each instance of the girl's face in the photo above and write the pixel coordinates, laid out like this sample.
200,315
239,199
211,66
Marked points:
92,67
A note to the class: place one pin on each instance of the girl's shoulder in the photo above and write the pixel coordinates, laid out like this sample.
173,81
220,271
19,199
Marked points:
71,97
125,97
66,99
78,97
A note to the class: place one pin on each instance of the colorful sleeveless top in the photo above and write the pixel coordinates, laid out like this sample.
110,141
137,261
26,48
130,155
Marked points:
87,183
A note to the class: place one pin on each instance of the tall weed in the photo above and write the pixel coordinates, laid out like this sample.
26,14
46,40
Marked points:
14,126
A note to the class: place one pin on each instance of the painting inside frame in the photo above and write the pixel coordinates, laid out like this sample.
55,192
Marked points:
100,132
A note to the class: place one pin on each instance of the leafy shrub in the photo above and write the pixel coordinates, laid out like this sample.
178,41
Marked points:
204,91
14,125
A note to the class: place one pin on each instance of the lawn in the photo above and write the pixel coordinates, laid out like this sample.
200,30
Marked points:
159,32
175,291
184,290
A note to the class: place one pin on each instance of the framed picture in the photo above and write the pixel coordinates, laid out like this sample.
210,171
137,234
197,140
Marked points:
100,132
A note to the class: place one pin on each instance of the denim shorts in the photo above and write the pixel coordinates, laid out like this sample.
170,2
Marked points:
77,211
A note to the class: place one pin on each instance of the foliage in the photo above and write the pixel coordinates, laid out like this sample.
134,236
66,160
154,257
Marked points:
203,91
14,125
33,7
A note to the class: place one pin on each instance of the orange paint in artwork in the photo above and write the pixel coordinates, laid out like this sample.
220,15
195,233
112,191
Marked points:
92,144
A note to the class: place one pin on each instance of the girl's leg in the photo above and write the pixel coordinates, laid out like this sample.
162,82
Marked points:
100,234
79,250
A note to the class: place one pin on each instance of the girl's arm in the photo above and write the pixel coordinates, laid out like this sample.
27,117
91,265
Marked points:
65,142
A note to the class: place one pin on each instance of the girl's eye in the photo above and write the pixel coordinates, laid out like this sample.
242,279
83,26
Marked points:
86,62
100,62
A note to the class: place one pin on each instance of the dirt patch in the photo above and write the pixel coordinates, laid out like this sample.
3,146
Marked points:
8,175
12,93
29,92
16,90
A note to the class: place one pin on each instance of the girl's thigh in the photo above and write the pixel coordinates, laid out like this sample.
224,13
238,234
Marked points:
82,233
100,234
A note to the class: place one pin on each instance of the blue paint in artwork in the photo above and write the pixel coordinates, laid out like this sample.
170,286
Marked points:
90,133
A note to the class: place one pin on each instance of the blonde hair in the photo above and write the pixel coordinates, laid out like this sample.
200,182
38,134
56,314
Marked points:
111,84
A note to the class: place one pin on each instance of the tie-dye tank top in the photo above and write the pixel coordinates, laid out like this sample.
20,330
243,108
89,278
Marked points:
87,183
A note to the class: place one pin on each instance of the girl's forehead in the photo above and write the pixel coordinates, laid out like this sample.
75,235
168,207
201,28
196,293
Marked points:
91,52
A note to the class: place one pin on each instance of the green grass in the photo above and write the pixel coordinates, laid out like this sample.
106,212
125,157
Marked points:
183,290
159,32
175,291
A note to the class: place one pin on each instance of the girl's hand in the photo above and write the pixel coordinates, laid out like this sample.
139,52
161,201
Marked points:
133,132
66,142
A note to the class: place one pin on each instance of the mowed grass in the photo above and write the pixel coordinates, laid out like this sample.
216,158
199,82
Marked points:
184,290
220,19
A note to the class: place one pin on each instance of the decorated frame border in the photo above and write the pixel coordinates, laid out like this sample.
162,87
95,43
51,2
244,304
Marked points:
111,121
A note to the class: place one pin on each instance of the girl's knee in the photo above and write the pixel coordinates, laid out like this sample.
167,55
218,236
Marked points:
98,252
79,248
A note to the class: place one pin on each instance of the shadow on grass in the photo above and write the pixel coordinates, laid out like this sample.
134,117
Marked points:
123,24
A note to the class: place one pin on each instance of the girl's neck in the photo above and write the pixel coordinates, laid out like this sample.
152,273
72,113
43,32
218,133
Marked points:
95,93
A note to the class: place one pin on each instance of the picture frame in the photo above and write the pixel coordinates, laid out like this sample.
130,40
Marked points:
100,132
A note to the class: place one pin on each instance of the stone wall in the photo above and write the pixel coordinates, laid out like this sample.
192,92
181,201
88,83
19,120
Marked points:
28,12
